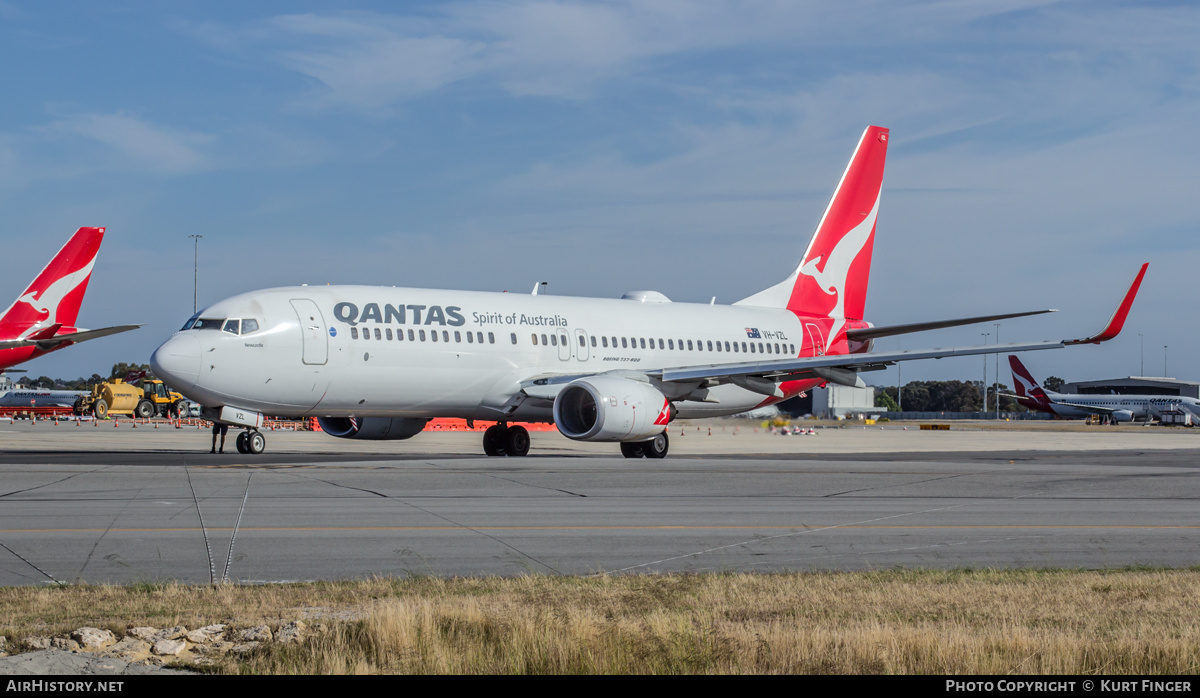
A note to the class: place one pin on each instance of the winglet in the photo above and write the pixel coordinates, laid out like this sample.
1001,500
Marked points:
1117,321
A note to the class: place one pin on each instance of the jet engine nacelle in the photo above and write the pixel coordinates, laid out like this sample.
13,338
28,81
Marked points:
373,428
1122,416
608,408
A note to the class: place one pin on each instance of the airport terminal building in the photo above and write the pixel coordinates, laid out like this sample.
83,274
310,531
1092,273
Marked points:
1134,385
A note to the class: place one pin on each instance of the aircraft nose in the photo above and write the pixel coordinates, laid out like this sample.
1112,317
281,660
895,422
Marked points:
177,361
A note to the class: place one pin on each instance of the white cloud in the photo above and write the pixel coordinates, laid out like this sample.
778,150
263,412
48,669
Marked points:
138,142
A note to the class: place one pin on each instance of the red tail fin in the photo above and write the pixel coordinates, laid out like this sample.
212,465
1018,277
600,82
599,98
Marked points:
831,280
55,295
1024,384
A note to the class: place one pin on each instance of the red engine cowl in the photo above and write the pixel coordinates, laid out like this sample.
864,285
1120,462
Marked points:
607,408
372,428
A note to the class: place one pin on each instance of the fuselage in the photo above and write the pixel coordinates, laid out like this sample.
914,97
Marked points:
338,351
1136,407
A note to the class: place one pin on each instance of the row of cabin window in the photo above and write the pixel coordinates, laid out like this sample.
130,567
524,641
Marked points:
552,340
634,342
419,335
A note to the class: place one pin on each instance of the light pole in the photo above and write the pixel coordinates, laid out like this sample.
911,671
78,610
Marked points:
1142,365
1164,361
983,386
899,389
997,391
195,271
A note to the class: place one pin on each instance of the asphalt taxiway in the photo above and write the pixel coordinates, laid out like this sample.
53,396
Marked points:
115,504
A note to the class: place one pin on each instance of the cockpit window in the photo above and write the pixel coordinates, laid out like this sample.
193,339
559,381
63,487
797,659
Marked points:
230,325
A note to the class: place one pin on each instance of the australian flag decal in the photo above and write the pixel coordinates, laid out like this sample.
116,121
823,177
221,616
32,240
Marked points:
752,333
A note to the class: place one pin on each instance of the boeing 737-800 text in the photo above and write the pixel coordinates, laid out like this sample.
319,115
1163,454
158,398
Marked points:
378,363
42,319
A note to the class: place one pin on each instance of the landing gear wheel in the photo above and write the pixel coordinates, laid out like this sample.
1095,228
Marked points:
656,447
516,441
632,449
145,409
256,443
241,443
493,440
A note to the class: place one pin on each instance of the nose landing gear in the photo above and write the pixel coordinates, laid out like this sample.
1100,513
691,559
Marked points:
251,442
502,440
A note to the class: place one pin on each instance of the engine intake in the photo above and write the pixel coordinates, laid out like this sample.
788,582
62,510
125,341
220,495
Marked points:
607,408
372,428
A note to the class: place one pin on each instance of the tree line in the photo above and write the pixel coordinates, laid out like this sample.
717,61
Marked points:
119,370
950,396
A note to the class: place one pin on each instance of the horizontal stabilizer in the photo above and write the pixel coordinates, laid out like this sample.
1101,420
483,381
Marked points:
72,338
866,333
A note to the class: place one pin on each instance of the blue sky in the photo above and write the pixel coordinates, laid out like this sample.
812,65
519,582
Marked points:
1040,152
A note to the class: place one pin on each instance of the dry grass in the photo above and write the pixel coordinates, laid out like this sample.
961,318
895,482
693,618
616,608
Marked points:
899,621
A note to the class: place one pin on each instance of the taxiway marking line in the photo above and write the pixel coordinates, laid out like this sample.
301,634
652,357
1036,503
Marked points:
665,527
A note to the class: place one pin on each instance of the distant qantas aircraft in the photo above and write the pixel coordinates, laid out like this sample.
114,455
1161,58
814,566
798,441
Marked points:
379,362
1117,407
42,319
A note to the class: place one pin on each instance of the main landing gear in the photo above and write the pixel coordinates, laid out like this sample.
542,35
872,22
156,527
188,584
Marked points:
654,448
503,440
252,442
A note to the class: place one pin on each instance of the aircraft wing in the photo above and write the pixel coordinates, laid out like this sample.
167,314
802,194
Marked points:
763,376
70,338
1087,408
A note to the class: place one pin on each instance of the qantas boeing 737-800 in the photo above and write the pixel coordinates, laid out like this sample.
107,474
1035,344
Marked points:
379,363
42,319
1116,407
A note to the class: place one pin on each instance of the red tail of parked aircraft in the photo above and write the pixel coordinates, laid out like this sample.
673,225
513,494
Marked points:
42,319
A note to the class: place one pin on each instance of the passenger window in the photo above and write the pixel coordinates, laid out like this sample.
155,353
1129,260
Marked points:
422,333
624,343
710,345
535,343
457,336
445,335
353,333
744,350
553,340
514,337
604,342
777,348
760,347
670,344
492,337
389,334
689,345
378,334
366,333
544,342
718,347
643,343
582,341
249,326
752,348
735,348
660,344
792,349
432,335
470,337
399,335
410,335
768,347
231,326
593,340
727,345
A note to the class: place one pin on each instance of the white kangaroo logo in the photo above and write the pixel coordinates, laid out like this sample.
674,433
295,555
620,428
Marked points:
832,279
48,300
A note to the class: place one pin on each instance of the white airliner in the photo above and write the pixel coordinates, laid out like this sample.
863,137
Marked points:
1115,407
378,362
